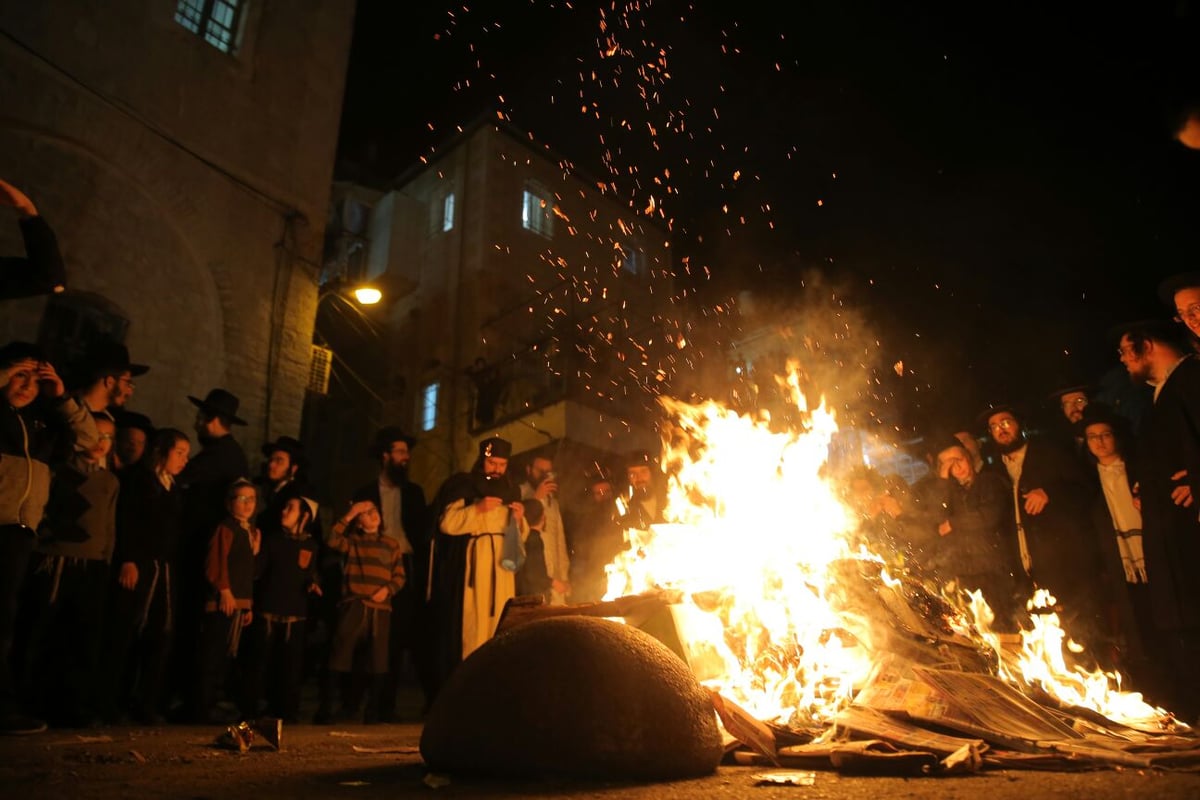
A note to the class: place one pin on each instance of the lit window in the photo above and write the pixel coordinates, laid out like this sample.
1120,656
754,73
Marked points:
216,21
448,212
635,261
429,401
537,211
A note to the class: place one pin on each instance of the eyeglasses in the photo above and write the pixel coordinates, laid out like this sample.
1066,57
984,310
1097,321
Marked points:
1078,402
1191,313
1002,425
1126,350
128,382
240,499
106,437
1096,437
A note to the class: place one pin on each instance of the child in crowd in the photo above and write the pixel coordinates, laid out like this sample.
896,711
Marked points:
229,571
533,577
373,573
287,574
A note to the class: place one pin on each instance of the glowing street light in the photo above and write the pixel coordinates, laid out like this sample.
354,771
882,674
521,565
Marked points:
367,295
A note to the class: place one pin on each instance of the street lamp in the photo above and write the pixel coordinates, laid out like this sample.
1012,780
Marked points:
367,295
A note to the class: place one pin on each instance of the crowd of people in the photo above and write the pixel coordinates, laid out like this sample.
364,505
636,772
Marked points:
1097,508
144,575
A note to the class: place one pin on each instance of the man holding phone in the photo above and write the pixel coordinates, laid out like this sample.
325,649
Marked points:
542,484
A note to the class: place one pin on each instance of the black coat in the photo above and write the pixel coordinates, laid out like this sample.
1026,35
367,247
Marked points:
1169,442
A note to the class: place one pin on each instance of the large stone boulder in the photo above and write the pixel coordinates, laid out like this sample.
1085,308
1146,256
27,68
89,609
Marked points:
573,696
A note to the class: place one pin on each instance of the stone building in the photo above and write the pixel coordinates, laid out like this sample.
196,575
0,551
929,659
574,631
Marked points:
520,300
183,151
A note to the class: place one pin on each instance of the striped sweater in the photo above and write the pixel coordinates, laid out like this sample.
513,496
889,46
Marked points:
372,561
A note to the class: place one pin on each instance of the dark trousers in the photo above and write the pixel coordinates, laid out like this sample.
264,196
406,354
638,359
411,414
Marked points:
216,653
272,655
16,545
139,639
404,637
63,615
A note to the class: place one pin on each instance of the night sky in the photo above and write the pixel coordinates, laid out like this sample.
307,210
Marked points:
989,187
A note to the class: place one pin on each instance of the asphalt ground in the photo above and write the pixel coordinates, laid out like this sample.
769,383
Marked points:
366,762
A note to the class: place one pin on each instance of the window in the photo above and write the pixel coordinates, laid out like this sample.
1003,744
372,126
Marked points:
215,21
635,261
448,212
537,210
429,401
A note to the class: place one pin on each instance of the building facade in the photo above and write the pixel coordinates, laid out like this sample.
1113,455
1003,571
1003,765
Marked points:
520,300
182,150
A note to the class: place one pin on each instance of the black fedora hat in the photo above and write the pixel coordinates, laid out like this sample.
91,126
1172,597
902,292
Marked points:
981,419
286,444
219,403
105,357
1161,330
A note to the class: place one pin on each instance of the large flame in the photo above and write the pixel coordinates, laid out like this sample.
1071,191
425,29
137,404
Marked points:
754,525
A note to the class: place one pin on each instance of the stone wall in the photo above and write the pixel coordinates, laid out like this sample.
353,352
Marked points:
187,186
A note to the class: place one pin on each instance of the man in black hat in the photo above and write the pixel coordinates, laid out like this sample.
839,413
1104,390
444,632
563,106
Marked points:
405,516
1070,402
1168,470
280,480
204,481
108,377
468,586
1049,495
598,538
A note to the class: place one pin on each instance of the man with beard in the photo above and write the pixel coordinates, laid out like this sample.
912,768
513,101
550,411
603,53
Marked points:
1168,469
542,485
1049,495
280,481
598,538
405,517
644,503
1070,402
108,376
468,587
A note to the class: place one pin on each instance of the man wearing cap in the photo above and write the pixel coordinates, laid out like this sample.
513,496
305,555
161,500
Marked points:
405,516
37,419
108,377
1168,470
204,481
1048,495
468,587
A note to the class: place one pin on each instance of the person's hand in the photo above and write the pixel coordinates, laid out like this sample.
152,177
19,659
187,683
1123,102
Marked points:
247,617
486,504
381,595
227,604
1181,495
1035,501
12,196
945,528
128,576
49,381
562,587
547,487
518,511
315,588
